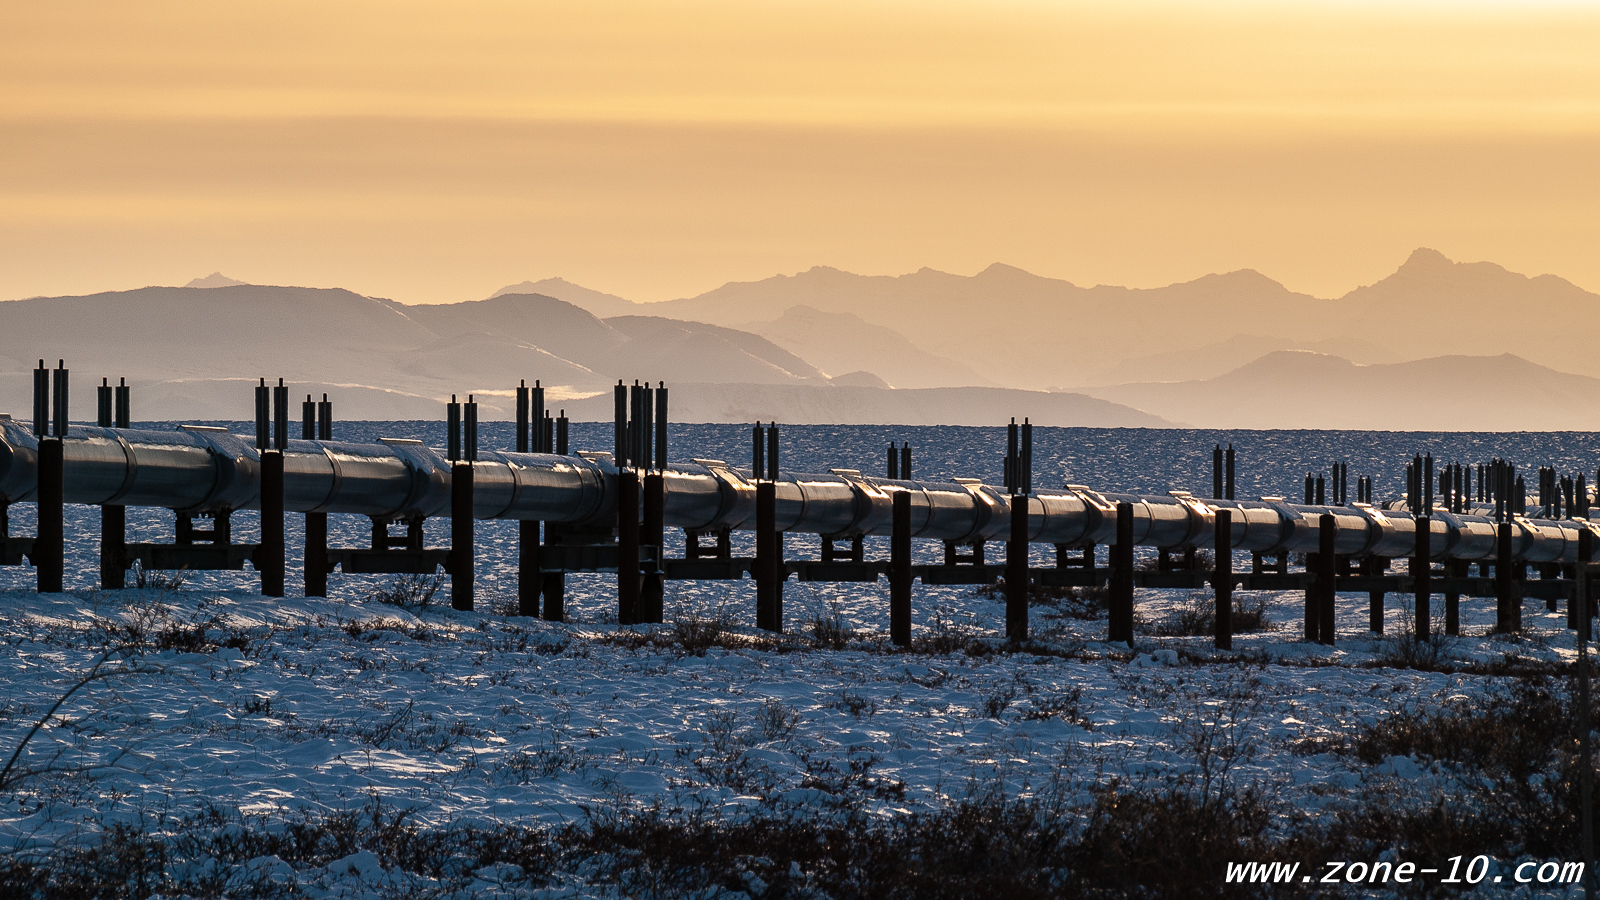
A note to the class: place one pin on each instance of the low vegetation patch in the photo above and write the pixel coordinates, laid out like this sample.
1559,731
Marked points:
1120,844
1070,602
1511,759
413,593
1197,616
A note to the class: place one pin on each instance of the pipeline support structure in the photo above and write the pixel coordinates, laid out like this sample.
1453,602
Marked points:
211,472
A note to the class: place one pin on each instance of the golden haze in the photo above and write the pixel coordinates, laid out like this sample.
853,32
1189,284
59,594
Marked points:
435,151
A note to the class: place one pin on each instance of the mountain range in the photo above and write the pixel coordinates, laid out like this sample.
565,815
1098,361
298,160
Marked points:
1023,330
1500,350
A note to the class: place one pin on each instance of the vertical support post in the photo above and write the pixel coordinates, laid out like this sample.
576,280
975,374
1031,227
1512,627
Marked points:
894,463
270,555
619,417
1452,598
1222,578
1120,624
636,424
462,561
263,416
635,415
1017,568
561,434
308,419
523,398
647,419
766,551
1427,484
113,519
900,571
124,417
280,416
1216,472
113,535
1012,482
49,547
1327,587
758,452
1313,591
1229,487
772,452
41,400
1577,616
1027,457
318,426
452,427
905,460
59,405
1374,566
316,554
1508,606
661,427
653,590
529,576
538,420
554,584
627,547
1422,577
469,428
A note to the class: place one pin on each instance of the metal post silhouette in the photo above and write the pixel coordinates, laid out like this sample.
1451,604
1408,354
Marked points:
900,571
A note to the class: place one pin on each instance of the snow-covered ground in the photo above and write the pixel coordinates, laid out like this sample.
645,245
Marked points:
276,707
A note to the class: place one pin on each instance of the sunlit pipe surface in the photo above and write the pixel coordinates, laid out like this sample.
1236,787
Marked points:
196,469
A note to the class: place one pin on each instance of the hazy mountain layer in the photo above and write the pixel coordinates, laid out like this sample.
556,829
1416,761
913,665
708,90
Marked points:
1296,389
840,343
1023,330
1207,352
851,405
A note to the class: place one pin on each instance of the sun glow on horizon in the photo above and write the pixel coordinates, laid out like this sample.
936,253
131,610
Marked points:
432,151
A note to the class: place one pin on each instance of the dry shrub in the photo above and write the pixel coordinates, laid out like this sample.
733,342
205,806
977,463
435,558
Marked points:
1128,848
831,632
414,593
1071,602
1197,616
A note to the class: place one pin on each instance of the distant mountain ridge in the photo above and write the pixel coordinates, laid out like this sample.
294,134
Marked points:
601,304
196,353
1208,351
870,405
1300,389
1014,328
215,279
1021,330
843,342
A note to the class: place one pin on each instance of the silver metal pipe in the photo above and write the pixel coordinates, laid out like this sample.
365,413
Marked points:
196,469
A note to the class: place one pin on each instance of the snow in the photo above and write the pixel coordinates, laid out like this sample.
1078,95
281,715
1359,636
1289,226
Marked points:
323,704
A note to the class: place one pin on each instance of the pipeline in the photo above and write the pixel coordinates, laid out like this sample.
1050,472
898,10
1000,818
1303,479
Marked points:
203,469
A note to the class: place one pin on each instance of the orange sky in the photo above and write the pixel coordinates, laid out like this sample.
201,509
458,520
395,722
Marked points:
436,151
